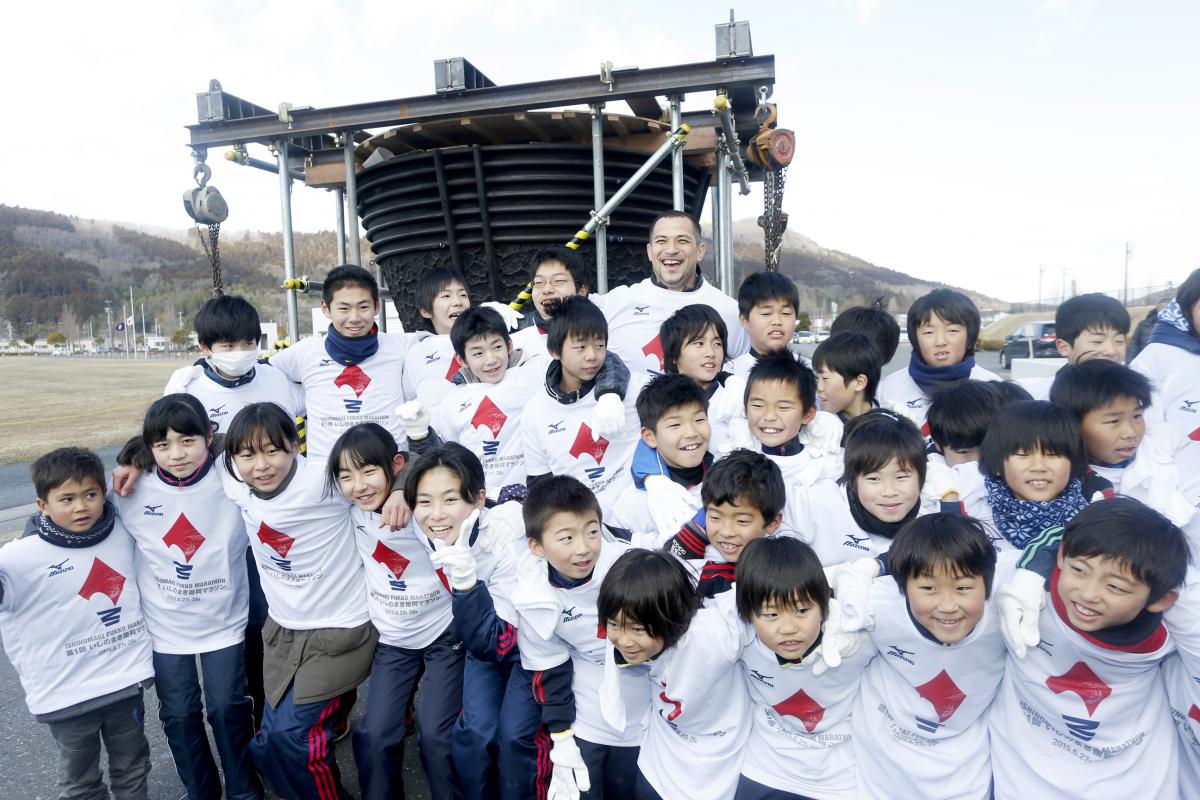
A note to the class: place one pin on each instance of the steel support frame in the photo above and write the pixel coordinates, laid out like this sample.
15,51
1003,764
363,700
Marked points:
586,90
289,254
598,197
676,157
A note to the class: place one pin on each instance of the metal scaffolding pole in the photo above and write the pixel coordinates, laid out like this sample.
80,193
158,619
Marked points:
598,197
352,248
289,255
732,144
714,202
339,195
676,159
724,189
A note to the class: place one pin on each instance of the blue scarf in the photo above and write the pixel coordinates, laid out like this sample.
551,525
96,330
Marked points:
1172,328
1020,520
929,378
351,350
49,532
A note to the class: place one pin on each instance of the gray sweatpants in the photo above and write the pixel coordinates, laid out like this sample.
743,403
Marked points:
120,725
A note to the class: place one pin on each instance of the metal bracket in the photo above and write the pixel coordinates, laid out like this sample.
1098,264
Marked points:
601,222
285,114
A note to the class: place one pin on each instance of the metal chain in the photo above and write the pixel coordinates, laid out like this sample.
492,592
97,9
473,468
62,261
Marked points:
773,220
212,249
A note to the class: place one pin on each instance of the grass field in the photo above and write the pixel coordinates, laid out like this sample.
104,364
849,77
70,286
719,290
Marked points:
55,402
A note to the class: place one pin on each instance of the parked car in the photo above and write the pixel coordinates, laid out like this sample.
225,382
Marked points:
822,335
1031,340
803,337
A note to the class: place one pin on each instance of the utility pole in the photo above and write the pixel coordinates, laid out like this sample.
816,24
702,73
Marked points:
1064,285
1125,294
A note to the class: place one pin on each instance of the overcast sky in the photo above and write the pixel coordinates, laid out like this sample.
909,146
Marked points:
967,142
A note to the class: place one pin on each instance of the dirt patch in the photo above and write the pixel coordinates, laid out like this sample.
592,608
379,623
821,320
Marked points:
58,402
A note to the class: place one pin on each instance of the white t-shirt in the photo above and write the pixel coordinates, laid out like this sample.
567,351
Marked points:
899,392
635,314
820,516
700,710
191,562
1077,718
531,342
1181,676
486,419
800,724
1175,375
303,543
746,361
339,397
557,439
577,633
71,620
268,385
1038,387
429,368
919,727
408,602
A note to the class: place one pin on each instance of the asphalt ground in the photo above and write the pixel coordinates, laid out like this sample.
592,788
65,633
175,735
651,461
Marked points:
28,768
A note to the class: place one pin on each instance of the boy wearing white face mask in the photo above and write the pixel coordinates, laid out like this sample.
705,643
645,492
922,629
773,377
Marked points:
229,376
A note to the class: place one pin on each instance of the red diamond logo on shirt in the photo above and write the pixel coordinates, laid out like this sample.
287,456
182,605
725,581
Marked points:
279,542
602,633
489,415
355,378
943,694
395,562
441,573
584,444
184,536
803,708
1195,435
654,348
1082,681
1194,713
452,370
102,579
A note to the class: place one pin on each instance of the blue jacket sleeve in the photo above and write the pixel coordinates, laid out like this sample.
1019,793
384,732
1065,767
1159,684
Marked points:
486,635
553,692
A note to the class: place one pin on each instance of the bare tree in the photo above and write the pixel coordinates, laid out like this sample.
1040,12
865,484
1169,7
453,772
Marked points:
68,324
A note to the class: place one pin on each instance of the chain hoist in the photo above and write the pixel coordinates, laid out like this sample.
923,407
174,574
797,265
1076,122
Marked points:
772,149
207,207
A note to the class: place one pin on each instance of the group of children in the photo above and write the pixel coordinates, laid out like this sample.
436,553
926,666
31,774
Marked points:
622,561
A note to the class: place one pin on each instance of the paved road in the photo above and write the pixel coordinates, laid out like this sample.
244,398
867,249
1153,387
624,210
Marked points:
27,770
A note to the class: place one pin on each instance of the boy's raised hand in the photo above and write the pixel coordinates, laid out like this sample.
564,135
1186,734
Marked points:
670,504
851,585
503,525
414,419
570,776
836,642
608,417
512,318
457,559
1019,603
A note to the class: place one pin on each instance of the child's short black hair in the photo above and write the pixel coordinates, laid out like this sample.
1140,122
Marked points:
652,589
687,325
1187,297
1089,385
433,282
783,367
942,541
1134,535
1096,312
254,423
64,464
557,494
181,413
960,413
476,322
454,457
850,354
577,318
227,318
1010,392
366,444
345,276
671,215
570,259
782,570
745,477
873,439
874,323
664,393
762,287
953,307
1032,425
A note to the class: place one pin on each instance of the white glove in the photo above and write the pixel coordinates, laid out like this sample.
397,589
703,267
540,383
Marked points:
836,642
512,318
503,525
851,585
730,400
608,417
570,775
670,504
940,481
823,434
456,559
738,436
181,379
414,419
1019,603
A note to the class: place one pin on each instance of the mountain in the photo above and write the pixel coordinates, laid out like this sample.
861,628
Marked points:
50,262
